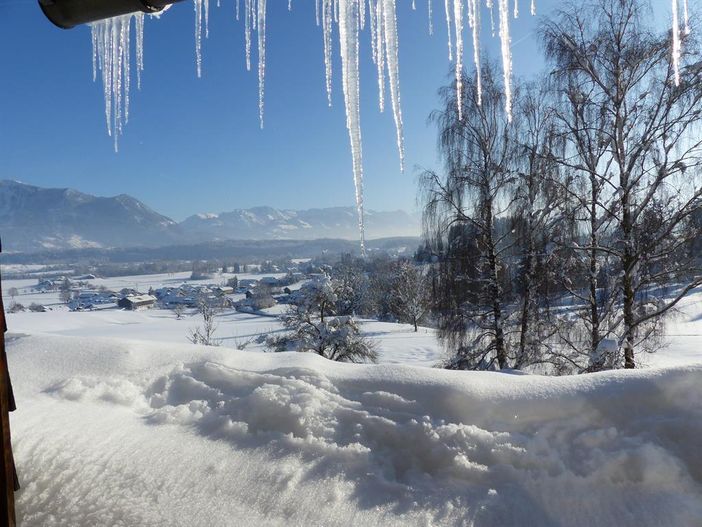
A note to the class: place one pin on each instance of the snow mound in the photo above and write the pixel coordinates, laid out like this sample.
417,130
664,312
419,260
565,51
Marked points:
181,435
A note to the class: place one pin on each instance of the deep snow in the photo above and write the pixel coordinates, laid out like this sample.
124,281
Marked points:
113,432
120,422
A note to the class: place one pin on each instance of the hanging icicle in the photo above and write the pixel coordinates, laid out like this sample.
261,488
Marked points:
111,56
261,31
458,31
505,44
474,22
430,15
392,53
348,47
676,43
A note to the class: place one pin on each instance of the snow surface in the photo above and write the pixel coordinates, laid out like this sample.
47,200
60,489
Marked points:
112,432
121,423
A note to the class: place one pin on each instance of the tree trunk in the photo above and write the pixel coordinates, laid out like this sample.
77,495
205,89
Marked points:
495,293
594,311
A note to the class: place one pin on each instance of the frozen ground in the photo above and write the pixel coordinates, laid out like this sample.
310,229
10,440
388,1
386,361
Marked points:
120,423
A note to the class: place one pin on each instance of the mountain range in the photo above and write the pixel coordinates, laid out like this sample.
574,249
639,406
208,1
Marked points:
36,219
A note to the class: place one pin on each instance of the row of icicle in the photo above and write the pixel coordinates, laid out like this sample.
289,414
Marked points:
111,56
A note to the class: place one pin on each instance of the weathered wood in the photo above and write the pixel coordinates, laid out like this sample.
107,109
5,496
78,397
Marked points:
8,476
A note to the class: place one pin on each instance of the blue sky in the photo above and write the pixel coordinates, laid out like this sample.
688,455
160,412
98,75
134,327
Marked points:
194,145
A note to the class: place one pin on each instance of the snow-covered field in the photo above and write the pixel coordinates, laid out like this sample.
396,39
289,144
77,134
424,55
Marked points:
121,422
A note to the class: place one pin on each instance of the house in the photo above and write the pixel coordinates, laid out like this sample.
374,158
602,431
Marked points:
134,303
223,290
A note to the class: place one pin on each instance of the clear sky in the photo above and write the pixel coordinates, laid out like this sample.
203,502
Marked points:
194,145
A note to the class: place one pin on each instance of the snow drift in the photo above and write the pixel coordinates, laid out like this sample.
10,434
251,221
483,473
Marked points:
127,433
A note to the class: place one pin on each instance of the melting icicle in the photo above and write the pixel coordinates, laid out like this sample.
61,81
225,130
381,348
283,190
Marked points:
448,26
380,52
206,8
414,5
676,42
391,51
492,18
686,13
111,43
430,14
348,39
327,15
516,8
139,23
533,7
198,5
247,32
506,42
289,5
261,24
458,21
475,25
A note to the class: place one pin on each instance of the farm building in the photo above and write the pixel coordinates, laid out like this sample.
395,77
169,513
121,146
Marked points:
134,303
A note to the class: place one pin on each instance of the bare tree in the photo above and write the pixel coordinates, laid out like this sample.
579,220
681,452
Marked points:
638,142
536,198
205,334
462,217
410,293
13,292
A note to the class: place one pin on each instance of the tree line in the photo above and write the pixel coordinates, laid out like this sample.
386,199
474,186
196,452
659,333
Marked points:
565,231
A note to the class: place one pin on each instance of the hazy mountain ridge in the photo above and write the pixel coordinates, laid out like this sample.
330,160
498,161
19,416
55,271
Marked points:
36,219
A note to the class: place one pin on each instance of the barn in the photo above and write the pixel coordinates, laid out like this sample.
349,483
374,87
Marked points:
136,302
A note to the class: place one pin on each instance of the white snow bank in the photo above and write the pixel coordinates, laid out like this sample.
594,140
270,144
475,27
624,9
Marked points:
124,433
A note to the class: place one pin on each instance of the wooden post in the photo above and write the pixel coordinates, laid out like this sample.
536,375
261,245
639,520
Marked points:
8,477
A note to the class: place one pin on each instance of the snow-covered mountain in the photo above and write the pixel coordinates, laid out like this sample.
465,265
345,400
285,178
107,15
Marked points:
266,223
34,219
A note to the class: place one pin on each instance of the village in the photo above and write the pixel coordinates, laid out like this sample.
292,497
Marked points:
245,292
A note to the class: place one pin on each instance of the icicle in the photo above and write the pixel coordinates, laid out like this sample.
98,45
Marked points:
686,13
414,5
475,25
237,10
348,39
430,14
516,8
289,5
392,55
676,42
247,32
381,52
111,46
316,11
458,21
198,36
373,30
327,15
448,27
261,24
505,40
492,18
533,7
94,38
206,7
139,23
